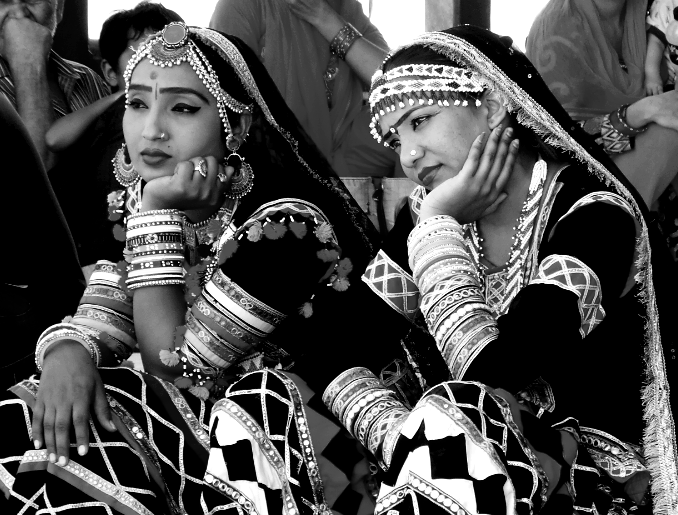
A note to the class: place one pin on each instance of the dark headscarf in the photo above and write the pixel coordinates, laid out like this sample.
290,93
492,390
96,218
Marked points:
348,328
500,67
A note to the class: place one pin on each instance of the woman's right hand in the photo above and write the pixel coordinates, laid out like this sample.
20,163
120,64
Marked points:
69,386
187,189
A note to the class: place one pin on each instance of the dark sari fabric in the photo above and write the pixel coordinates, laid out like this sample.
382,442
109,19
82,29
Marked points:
560,348
156,462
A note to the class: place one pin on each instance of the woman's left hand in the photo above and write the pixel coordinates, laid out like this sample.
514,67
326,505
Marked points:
311,11
478,189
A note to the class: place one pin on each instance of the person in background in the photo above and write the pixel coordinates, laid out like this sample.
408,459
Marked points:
321,55
89,138
592,56
40,84
661,54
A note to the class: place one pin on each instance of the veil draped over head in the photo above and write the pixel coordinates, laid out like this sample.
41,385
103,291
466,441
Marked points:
287,165
280,140
504,69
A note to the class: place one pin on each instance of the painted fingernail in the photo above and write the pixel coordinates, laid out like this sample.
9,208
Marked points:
82,450
509,132
52,457
62,461
497,129
480,136
515,143
37,444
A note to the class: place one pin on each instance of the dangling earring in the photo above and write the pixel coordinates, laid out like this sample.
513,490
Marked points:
243,179
124,171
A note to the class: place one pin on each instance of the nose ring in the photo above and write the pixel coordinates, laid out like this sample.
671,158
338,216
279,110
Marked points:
413,152
162,135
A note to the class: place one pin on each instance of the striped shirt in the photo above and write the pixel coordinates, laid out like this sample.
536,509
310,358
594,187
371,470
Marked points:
80,85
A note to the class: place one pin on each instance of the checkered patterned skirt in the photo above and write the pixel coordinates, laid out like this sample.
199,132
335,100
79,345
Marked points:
258,458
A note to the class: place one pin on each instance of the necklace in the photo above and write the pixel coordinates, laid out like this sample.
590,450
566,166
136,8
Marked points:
520,246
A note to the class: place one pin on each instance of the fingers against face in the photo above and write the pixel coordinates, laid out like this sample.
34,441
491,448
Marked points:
489,154
498,165
473,158
509,162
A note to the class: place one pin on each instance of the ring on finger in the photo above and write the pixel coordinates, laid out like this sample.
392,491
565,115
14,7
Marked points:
201,168
222,177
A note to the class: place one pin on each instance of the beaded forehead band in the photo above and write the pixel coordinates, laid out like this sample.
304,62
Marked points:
422,84
171,47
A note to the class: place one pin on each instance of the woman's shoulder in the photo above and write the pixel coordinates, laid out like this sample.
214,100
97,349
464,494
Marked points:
577,187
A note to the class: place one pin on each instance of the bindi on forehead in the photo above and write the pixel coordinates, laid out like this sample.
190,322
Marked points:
154,75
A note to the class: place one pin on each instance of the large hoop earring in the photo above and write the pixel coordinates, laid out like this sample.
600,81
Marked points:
124,171
243,178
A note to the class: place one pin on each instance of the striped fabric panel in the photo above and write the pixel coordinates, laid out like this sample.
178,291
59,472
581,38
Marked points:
81,85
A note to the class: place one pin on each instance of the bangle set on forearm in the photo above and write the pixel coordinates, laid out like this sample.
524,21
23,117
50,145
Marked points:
453,302
155,239
366,408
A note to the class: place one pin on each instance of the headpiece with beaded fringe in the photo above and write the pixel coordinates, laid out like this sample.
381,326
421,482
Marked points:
171,47
418,84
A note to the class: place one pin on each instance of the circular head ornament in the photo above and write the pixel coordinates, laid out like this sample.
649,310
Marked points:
174,35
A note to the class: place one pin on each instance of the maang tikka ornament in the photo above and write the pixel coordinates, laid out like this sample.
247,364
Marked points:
172,47
243,179
124,171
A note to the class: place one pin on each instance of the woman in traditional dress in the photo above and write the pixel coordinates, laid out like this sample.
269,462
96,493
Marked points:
219,178
536,281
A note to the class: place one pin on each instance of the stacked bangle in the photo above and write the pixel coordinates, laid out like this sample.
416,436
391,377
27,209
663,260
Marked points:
157,244
343,40
453,302
59,332
366,408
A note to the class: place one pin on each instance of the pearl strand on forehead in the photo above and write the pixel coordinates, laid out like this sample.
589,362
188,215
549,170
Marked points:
165,54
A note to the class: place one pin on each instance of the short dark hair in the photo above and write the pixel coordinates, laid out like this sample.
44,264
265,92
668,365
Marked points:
130,24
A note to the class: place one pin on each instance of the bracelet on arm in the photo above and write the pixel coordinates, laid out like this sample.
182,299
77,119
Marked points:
343,40
61,332
370,411
452,302
156,241
620,123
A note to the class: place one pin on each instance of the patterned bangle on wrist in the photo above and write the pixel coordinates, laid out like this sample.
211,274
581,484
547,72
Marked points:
343,40
620,123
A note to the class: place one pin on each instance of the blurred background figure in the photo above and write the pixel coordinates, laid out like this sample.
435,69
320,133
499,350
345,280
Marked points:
37,81
321,55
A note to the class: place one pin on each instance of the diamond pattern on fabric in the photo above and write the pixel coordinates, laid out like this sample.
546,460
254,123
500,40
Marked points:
574,275
613,141
461,450
393,284
416,198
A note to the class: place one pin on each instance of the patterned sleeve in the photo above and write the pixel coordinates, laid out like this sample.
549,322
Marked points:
269,269
564,300
103,321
